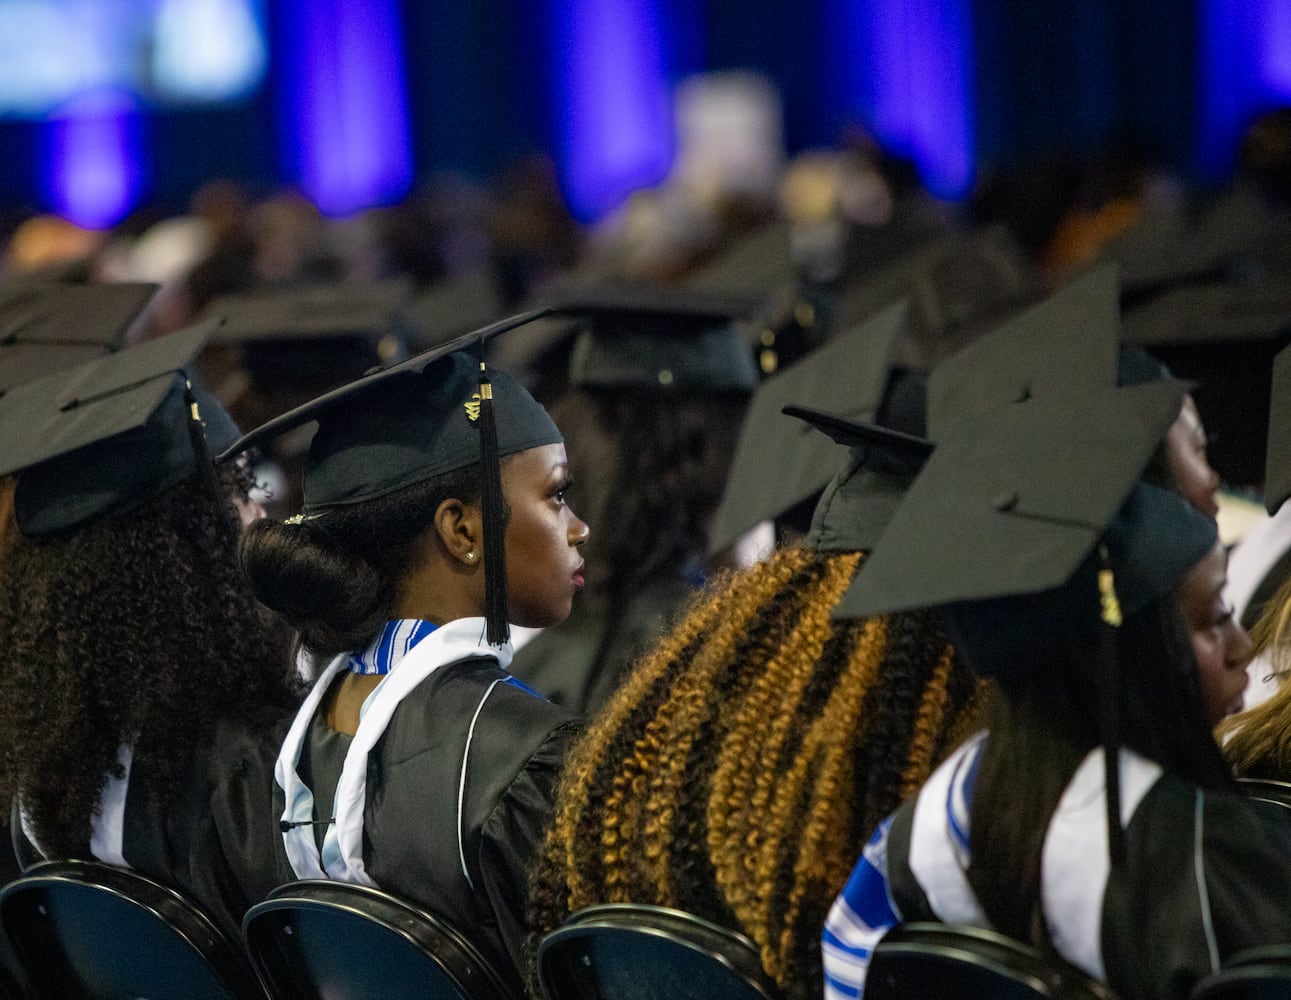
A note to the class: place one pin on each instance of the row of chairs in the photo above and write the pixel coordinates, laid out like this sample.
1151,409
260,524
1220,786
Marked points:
86,931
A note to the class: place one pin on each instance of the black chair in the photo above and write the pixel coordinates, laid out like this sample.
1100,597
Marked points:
84,930
1255,974
626,951
948,962
313,939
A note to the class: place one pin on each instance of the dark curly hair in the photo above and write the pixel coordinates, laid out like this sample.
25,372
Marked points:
741,763
136,628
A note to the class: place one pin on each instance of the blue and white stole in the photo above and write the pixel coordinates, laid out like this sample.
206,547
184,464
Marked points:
341,857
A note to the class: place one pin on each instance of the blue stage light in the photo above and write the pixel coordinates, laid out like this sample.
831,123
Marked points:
343,102
613,100
904,69
93,159
1245,68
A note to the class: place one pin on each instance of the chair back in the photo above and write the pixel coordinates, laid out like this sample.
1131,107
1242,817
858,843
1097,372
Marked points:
84,930
1275,793
1255,974
314,939
628,951
947,962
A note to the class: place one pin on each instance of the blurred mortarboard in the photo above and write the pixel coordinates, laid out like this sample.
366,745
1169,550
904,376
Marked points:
779,462
109,433
1065,345
452,308
1231,238
644,338
364,319
1277,478
758,266
958,285
1223,337
430,415
859,501
1013,499
45,328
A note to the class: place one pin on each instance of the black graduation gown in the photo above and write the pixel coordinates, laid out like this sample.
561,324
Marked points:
219,842
580,663
1162,927
411,846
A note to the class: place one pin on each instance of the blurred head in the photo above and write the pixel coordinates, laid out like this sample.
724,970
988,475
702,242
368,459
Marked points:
1185,453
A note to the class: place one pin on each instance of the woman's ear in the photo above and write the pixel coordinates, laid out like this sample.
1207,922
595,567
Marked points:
460,530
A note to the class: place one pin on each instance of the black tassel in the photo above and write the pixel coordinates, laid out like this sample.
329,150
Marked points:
495,567
201,454
1109,704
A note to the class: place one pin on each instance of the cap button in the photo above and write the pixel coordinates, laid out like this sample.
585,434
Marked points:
1005,500
665,376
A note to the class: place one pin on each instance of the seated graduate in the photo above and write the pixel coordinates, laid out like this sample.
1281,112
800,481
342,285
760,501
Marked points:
745,757
435,512
657,386
141,682
1058,575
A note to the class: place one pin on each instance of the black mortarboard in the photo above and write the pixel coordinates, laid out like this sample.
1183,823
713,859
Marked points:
1066,344
857,504
1223,337
45,327
637,337
452,308
1277,476
757,266
108,434
778,462
344,328
435,413
1013,499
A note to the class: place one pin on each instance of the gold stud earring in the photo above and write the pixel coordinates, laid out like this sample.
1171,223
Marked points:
471,556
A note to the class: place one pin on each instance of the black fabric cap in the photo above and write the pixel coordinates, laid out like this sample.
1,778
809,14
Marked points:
637,337
1277,481
370,314
778,462
859,501
408,423
1223,338
450,309
105,435
1013,500
758,266
46,328
1065,345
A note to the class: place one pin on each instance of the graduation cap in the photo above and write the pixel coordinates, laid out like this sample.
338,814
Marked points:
779,463
1029,524
1224,338
636,337
860,500
315,331
435,413
452,308
108,434
1277,480
1065,345
46,327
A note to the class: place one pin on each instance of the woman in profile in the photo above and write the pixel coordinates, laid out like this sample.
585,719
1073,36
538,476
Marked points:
435,514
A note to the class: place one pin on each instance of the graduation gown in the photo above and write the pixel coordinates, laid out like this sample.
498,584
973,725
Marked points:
219,841
1206,876
459,791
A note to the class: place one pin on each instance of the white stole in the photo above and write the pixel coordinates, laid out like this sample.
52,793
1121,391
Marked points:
342,855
